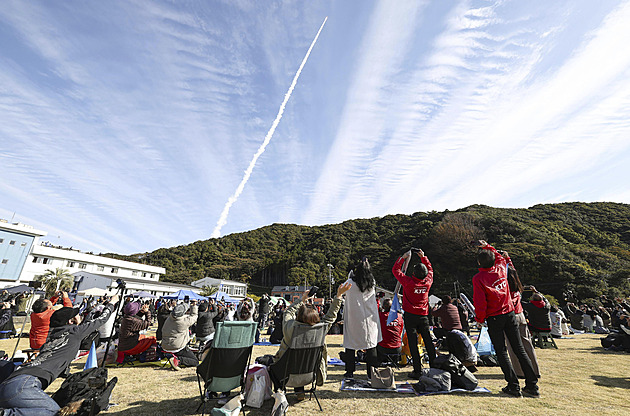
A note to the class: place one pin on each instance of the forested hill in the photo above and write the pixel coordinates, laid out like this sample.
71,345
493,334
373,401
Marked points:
584,247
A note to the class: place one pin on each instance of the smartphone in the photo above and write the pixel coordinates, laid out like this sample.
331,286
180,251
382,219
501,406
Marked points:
313,291
414,250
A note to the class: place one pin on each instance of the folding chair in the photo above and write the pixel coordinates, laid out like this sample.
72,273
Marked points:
298,365
225,366
543,339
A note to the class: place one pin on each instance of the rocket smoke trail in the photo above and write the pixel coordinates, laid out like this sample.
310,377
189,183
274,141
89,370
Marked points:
226,209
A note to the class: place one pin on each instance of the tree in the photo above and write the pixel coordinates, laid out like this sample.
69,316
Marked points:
52,281
208,290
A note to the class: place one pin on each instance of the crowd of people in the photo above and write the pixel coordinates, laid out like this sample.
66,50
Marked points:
373,331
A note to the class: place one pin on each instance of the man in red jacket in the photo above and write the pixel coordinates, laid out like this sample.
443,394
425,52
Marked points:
491,296
40,318
391,345
416,306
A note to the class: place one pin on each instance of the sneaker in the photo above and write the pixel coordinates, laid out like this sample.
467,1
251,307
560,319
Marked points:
511,392
348,375
174,363
414,375
531,391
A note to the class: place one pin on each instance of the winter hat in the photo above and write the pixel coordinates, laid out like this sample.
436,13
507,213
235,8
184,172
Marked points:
179,310
62,316
131,308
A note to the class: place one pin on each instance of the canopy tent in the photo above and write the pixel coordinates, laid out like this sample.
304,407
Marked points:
275,299
181,294
143,294
18,289
218,296
94,291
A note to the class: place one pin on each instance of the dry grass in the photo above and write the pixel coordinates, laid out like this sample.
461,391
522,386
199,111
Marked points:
579,378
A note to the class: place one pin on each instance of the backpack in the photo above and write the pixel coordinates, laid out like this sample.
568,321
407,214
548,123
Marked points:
613,339
461,377
91,386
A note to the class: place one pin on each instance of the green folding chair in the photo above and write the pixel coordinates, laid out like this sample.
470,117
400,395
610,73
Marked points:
225,366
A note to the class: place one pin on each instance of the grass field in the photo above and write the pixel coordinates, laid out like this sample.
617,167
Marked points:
580,378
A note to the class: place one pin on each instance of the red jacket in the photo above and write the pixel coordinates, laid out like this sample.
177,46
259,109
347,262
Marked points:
392,333
40,324
491,293
415,291
516,301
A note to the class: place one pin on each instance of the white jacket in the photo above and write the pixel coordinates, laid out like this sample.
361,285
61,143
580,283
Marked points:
361,325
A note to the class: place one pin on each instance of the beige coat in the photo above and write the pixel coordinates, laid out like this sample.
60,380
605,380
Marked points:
175,335
289,323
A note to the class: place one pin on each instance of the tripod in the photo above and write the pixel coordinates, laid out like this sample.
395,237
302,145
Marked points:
121,291
29,308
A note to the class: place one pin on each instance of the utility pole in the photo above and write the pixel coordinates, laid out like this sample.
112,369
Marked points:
330,280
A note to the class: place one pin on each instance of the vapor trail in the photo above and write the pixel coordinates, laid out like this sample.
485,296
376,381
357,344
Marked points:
248,172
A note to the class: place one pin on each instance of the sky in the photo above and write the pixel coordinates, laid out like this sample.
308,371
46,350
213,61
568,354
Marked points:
126,126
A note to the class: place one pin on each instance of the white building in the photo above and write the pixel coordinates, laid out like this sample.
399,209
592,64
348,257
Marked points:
237,290
23,257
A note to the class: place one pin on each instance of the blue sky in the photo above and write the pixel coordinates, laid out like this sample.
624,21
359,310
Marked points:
126,126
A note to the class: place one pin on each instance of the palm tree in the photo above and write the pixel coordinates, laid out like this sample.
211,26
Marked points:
208,290
59,279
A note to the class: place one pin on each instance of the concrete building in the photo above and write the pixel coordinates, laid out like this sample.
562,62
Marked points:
23,257
237,290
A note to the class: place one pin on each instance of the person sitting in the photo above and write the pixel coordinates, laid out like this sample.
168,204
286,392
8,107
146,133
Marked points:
205,321
22,393
163,312
130,341
391,344
302,314
556,322
175,335
40,318
457,342
277,334
537,310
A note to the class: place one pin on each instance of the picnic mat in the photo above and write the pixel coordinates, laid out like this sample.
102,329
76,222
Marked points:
137,363
407,388
364,385
265,343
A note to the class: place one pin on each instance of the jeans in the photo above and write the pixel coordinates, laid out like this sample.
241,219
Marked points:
23,395
413,325
505,326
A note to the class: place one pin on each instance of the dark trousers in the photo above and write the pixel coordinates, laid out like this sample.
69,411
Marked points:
370,360
505,326
387,355
187,358
415,324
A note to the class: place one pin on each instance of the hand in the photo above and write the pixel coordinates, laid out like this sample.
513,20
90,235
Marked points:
305,296
420,253
193,302
65,295
482,244
145,308
406,255
114,299
343,289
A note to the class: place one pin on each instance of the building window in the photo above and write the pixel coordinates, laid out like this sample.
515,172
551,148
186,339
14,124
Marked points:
100,268
82,265
12,242
35,258
135,273
1,240
70,263
45,260
23,244
5,261
114,270
153,276
143,274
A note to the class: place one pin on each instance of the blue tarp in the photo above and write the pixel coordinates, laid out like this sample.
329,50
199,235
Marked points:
224,297
181,294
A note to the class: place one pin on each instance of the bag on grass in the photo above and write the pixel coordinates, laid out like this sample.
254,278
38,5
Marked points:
231,408
612,339
383,378
91,386
461,377
256,393
434,379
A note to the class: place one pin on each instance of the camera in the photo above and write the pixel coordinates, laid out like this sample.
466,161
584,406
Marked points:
414,250
121,284
313,291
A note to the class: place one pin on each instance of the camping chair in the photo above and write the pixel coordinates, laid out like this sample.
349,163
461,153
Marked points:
542,339
224,367
298,365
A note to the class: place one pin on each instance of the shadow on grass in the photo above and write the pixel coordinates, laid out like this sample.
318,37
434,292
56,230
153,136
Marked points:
620,382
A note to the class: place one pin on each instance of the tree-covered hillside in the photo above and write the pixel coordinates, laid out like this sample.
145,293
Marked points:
578,246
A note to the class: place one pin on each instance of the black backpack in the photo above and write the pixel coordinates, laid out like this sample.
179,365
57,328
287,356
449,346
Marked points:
91,386
612,340
461,377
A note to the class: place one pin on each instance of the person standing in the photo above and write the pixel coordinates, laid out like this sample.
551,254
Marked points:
362,329
491,297
416,306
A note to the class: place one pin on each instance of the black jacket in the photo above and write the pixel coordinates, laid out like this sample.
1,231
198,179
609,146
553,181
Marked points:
61,347
205,322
